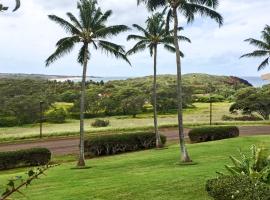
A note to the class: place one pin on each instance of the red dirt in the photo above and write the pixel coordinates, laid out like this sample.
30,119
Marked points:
70,145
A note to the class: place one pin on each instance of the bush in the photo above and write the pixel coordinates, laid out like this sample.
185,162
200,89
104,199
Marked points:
208,99
242,118
57,116
120,143
237,188
100,123
212,133
8,121
24,158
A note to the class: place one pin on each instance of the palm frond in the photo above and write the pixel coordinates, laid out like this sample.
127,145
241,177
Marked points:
190,9
172,49
258,43
264,64
114,49
136,37
65,24
64,46
141,29
74,20
83,51
17,6
111,31
140,46
257,53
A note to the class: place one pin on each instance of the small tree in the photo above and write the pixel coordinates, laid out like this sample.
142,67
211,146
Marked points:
250,100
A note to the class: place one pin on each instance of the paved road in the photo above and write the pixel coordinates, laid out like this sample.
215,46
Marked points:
70,145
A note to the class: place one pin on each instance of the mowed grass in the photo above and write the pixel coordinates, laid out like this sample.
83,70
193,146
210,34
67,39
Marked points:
199,115
153,174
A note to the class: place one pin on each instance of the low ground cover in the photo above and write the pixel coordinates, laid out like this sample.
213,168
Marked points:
153,174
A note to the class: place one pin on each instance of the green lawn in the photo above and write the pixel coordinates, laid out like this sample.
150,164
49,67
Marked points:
153,174
192,116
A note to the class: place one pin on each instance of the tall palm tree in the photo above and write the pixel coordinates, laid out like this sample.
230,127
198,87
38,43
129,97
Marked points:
89,29
188,9
263,47
18,4
154,35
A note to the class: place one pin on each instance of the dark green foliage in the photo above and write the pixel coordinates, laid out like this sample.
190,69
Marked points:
8,121
212,133
253,100
24,158
69,96
58,116
100,123
237,188
208,99
242,118
120,143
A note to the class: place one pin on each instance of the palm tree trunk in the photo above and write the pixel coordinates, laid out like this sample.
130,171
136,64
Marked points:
183,149
81,162
158,139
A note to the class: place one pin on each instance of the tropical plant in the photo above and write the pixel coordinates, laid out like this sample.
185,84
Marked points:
263,47
17,6
256,166
153,35
188,8
89,29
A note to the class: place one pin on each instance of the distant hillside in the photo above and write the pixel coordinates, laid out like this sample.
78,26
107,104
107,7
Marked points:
198,83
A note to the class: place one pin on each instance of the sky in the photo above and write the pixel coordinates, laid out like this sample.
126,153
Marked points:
28,37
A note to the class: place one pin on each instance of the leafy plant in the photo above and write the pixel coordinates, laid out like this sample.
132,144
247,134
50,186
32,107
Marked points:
256,166
58,115
15,184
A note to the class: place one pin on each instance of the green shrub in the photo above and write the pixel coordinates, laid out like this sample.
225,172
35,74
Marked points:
237,188
8,121
208,99
242,118
212,133
57,116
24,158
100,123
120,143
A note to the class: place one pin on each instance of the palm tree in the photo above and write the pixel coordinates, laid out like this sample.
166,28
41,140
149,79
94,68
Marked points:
188,8
154,34
18,4
89,30
263,47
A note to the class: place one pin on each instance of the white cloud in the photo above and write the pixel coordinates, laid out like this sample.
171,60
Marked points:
27,38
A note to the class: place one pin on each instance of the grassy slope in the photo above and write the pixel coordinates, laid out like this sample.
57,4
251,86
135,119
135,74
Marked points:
192,116
152,174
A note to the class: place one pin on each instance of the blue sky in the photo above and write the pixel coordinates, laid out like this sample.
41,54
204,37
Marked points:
28,37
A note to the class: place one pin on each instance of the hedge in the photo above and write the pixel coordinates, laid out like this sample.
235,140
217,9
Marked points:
212,133
24,158
120,143
237,188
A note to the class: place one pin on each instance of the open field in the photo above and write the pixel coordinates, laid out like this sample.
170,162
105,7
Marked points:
199,115
153,174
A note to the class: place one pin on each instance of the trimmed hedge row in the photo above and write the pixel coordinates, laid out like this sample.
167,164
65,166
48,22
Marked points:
212,133
237,188
24,158
120,143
